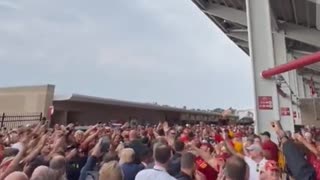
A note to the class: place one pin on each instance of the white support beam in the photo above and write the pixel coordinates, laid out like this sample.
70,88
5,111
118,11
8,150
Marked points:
242,44
239,35
274,22
262,56
299,53
227,13
303,34
281,57
292,31
318,14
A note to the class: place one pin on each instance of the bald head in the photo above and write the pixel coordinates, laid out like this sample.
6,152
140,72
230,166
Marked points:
17,176
40,172
236,168
58,163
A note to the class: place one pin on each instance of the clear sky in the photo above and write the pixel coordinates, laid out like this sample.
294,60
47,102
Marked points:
144,50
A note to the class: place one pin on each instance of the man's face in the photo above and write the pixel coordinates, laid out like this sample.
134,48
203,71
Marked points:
257,141
264,138
79,137
253,153
172,133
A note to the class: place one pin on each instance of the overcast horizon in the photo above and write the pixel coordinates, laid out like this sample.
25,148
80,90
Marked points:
165,51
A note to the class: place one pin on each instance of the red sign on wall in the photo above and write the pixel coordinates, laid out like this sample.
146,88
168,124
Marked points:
294,114
265,103
285,111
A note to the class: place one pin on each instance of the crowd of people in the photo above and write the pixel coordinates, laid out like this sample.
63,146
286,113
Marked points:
162,152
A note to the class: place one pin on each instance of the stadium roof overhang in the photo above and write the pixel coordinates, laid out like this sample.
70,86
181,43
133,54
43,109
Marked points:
298,19
121,103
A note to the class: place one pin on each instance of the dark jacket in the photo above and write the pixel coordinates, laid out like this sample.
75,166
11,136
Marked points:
183,176
130,170
89,166
296,163
138,148
174,164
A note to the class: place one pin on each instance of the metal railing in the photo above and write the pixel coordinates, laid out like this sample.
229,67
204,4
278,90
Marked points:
14,120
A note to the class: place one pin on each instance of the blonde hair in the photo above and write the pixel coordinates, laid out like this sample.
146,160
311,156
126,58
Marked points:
126,155
110,170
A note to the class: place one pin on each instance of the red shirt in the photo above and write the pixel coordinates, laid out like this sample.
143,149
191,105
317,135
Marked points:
218,138
315,162
272,150
206,169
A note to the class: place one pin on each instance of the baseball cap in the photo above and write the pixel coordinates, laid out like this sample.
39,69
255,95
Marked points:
254,147
266,133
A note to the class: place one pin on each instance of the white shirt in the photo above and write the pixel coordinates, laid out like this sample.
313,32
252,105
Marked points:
18,146
157,173
254,167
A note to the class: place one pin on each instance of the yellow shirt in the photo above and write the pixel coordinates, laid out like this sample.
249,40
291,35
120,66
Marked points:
281,161
238,146
231,134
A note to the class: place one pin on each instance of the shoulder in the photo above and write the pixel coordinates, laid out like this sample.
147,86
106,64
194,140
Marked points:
145,171
247,159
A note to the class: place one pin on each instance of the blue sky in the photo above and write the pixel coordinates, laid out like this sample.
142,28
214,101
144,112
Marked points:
148,51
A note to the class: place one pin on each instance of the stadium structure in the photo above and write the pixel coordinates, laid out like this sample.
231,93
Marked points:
282,38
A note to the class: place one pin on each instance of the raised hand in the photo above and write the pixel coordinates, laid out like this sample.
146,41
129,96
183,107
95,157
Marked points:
166,126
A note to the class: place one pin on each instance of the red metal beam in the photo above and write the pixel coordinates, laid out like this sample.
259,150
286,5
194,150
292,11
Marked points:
294,64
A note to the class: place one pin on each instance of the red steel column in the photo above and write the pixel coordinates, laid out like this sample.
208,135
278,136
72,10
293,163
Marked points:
295,64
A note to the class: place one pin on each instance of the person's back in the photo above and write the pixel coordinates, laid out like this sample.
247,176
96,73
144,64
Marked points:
235,169
188,167
130,170
136,145
174,163
162,154
110,170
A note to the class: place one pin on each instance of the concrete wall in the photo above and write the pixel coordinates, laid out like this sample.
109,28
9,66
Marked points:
89,113
309,114
28,99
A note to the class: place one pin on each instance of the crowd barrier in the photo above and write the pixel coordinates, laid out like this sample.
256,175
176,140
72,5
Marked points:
14,120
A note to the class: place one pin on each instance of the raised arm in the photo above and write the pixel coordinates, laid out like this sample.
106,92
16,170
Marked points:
230,148
36,150
212,161
312,148
13,166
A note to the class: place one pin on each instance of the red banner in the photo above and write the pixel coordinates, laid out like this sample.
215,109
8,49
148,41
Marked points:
265,103
285,111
